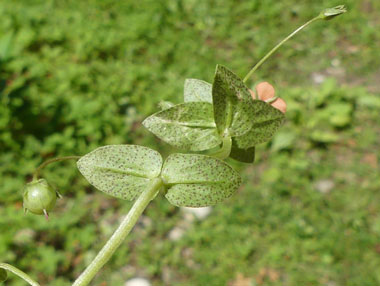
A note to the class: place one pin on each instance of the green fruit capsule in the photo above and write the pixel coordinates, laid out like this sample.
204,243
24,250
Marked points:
39,197
3,275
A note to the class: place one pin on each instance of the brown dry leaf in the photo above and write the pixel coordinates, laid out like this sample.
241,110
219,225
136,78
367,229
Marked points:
273,275
267,274
370,159
352,143
240,280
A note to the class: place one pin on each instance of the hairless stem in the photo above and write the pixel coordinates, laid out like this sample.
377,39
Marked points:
225,151
120,234
326,14
44,164
278,46
19,273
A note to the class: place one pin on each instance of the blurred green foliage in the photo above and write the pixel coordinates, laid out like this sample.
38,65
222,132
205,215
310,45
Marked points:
75,75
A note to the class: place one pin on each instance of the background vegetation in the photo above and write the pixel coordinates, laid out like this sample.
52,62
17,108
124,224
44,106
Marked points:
76,75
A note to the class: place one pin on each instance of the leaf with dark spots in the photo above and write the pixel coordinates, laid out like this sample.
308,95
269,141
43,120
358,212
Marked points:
189,126
197,180
266,121
122,171
232,103
197,90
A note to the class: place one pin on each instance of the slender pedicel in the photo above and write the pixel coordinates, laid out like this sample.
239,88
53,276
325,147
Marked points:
326,14
19,273
58,159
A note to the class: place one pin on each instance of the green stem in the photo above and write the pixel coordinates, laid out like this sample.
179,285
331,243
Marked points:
120,234
319,17
44,164
225,151
19,273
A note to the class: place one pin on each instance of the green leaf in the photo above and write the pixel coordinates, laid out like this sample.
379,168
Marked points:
188,125
323,136
122,171
3,275
232,103
194,180
339,114
197,90
369,100
284,140
242,155
6,47
266,121
165,105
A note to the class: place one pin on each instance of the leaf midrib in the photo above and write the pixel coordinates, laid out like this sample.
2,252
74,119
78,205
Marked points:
199,183
187,124
126,172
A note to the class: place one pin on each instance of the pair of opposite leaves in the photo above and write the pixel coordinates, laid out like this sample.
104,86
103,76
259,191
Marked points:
211,113
191,180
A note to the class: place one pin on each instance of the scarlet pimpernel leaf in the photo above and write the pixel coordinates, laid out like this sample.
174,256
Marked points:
197,180
188,126
266,121
242,155
232,103
122,171
197,90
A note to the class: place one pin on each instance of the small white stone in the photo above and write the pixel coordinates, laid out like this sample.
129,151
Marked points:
199,213
137,282
176,233
24,236
324,186
318,78
335,62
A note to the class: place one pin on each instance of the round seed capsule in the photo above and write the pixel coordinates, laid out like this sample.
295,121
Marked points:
39,197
